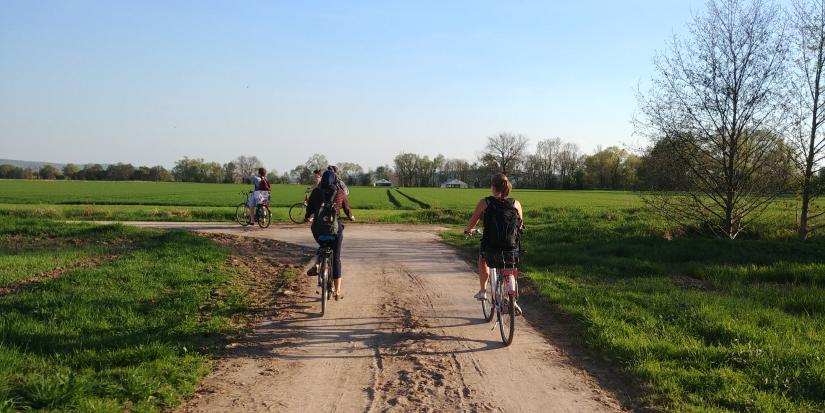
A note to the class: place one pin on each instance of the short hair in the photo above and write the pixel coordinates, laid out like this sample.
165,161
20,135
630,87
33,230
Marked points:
316,172
261,172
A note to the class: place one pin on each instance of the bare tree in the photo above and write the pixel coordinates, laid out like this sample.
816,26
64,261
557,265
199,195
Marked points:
349,172
507,150
406,165
303,173
569,161
457,169
247,166
808,140
547,157
716,98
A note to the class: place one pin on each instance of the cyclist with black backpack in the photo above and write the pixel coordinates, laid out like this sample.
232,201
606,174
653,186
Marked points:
503,222
323,208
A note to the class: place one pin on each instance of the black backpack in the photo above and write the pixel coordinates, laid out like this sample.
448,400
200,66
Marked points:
501,224
325,220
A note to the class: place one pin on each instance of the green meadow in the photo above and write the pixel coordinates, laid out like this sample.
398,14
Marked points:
134,332
700,325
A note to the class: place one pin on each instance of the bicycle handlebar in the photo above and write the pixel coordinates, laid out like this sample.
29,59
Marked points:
471,233
350,219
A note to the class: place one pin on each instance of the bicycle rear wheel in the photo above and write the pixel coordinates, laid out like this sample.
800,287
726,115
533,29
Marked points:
296,213
242,214
323,275
488,304
506,315
266,217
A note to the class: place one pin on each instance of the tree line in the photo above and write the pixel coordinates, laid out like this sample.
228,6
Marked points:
555,164
185,170
90,172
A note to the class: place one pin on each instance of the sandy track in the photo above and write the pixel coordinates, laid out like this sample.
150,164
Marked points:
407,337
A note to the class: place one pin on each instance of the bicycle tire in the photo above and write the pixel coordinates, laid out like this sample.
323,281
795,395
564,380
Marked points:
242,215
488,304
324,275
297,212
507,316
266,219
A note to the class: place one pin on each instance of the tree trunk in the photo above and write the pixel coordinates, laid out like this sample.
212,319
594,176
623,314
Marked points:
806,200
809,160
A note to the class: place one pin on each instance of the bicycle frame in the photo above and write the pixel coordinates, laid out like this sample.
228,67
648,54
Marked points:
499,283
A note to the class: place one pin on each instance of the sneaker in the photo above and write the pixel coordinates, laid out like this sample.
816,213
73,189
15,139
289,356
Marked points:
312,271
481,295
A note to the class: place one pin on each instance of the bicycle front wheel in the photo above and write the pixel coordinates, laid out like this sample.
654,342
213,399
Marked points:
266,217
297,212
242,214
506,315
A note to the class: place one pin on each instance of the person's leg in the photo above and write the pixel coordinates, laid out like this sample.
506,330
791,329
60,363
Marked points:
336,263
483,276
483,272
250,208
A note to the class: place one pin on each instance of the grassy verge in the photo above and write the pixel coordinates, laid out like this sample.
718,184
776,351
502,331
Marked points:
705,325
405,215
32,248
130,334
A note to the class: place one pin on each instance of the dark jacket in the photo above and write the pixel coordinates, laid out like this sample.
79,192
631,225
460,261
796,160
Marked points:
323,192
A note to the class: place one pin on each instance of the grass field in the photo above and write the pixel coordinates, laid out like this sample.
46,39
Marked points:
162,194
95,200
133,333
20,192
700,324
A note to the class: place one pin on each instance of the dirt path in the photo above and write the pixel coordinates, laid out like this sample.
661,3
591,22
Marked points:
407,337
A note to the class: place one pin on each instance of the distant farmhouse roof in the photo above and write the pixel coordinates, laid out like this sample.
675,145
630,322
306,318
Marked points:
454,183
382,182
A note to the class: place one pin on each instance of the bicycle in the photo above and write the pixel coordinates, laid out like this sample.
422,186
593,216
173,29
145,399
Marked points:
500,300
298,209
325,257
263,215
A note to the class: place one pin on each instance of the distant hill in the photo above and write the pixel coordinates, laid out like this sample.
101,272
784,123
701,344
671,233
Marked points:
34,165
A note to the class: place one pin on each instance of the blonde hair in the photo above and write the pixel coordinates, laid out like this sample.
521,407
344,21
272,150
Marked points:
501,184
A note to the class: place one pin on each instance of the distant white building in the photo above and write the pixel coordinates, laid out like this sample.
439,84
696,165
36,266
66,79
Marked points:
454,183
382,182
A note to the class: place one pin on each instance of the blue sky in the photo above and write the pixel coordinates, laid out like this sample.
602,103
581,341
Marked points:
152,81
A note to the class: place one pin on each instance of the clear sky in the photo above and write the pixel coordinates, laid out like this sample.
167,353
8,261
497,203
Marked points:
149,82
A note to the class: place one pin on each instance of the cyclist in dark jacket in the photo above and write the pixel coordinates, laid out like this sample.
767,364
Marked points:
327,189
